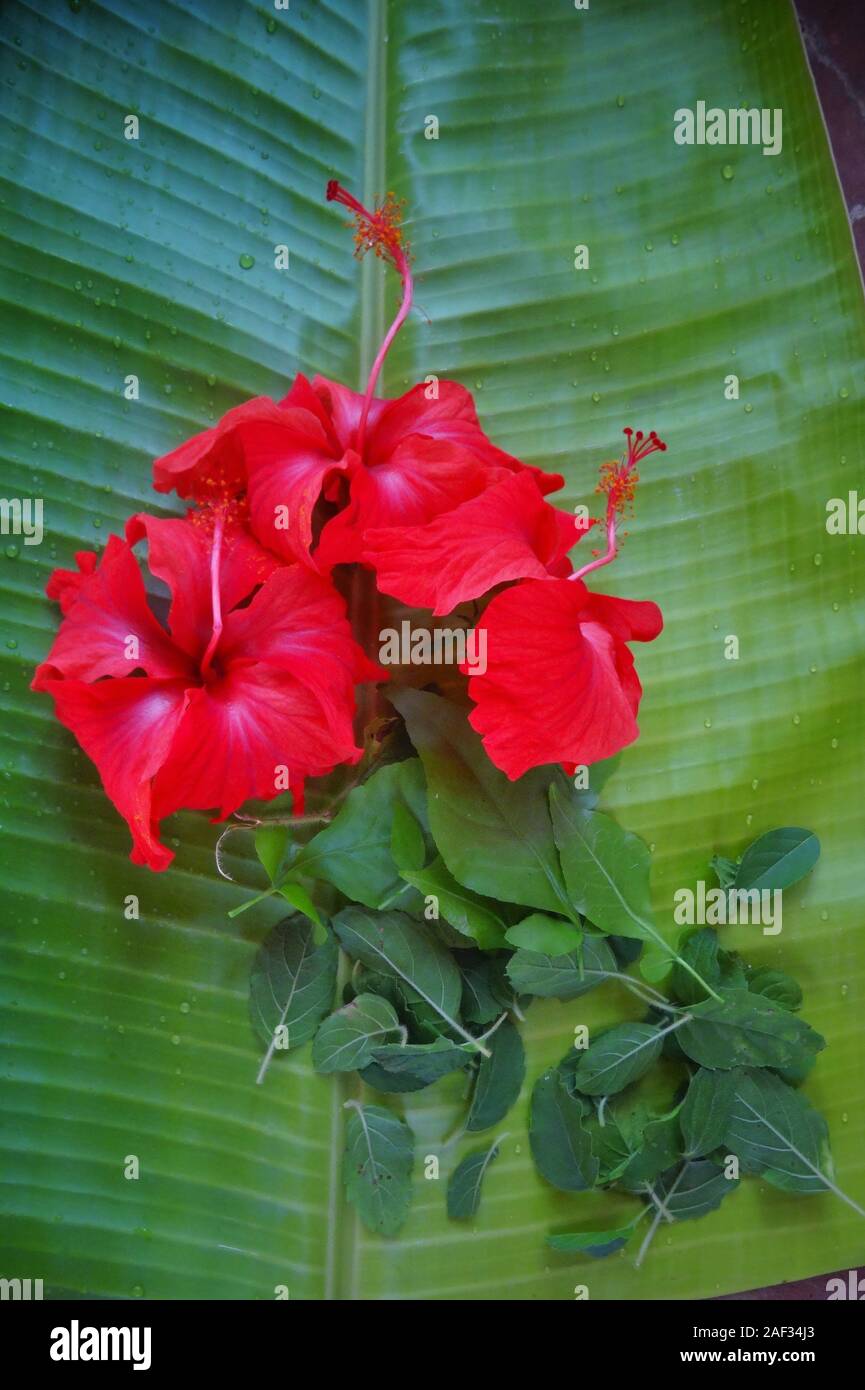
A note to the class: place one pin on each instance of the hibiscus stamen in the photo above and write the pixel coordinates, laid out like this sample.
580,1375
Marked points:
619,482
378,231
215,595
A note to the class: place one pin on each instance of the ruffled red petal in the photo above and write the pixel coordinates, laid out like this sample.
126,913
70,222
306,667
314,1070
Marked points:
560,684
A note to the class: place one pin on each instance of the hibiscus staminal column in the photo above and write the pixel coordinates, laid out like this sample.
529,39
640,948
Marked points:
619,482
378,231
215,595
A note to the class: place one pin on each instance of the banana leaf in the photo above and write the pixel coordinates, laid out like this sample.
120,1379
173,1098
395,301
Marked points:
154,257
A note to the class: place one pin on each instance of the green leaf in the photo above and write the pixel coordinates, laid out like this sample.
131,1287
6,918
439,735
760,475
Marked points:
423,1062
407,843
550,936
778,859
746,1030
660,1147
725,870
395,946
377,1166
271,842
494,835
775,985
354,852
596,1243
464,1185
561,977
345,1041
701,951
617,1058
291,986
467,912
561,1144
297,897
324,96
705,1113
697,1188
774,1131
486,990
499,1080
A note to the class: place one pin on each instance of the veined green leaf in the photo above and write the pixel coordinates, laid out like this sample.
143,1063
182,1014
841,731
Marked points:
345,1041
551,936
746,1030
599,1244
467,912
377,1166
705,1113
563,977
701,951
494,835
616,1058
775,985
464,1184
774,1131
561,1144
499,1080
697,1188
778,859
424,1062
486,989
291,987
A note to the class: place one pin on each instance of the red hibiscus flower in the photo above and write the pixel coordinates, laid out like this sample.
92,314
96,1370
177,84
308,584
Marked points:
231,699
508,532
560,684
326,464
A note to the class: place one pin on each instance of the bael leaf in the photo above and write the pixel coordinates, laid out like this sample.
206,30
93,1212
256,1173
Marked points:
494,835
393,945
345,1041
467,912
291,986
702,951
775,985
599,1244
660,1147
561,1145
354,852
746,1030
563,977
697,1188
774,1131
705,1113
377,1166
778,859
423,1062
464,1185
486,989
617,1058
550,936
499,1080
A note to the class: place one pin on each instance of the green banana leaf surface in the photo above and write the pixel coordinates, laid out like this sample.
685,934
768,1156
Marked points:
155,257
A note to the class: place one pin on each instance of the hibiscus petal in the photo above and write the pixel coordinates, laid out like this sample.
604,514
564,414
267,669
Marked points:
179,553
507,532
297,623
211,464
344,407
287,471
421,479
126,727
240,731
559,684
109,629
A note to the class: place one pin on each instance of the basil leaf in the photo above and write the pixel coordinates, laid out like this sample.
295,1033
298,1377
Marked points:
377,1165
345,1041
746,1030
464,1185
782,989
469,913
626,949
774,1131
424,1062
595,1243
499,1080
354,852
697,1188
561,1145
660,1147
720,969
706,1110
618,1057
494,835
391,1082
560,977
778,859
291,985
486,989
551,936
393,945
